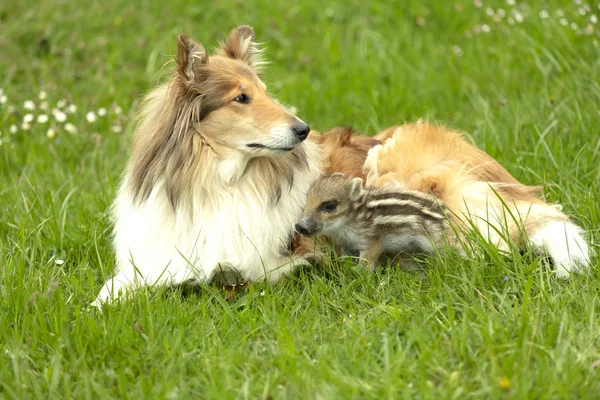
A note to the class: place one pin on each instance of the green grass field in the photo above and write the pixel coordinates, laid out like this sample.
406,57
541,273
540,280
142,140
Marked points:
523,81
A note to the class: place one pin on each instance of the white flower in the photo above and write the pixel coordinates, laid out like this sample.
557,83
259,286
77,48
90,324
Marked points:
510,2
42,118
118,110
61,103
511,21
485,28
101,112
560,13
544,14
262,292
29,105
60,116
51,133
59,262
116,128
582,11
489,12
578,2
593,20
573,26
69,127
44,105
518,17
564,22
28,118
72,109
3,99
43,95
477,3
25,126
457,51
13,129
501,13
90,117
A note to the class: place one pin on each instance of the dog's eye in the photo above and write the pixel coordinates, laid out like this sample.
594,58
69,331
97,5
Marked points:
243,98
329,206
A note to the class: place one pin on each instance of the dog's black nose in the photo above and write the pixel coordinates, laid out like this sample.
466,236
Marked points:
301,130
302,228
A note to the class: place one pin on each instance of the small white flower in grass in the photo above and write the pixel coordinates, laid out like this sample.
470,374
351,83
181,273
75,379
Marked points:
72,109
116,128
101,112
3,99
489,12
51,133
262,292
593,19
42,95
13,129
578,2
544,14
60,116
42,118
485,28
457,51
59,261
563,22
25,126
61,103
518,17
29,105
118,110
560,13
69,127
573,26
44,105
90,117
477,3
511,21
511,2
501,13
582,11
28,118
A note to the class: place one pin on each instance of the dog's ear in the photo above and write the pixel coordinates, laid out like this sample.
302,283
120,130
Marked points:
191,56
241,45
357,189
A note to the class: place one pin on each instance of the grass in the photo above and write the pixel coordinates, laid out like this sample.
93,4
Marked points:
485,327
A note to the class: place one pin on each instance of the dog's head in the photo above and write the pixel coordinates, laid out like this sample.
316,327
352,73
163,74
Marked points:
229,104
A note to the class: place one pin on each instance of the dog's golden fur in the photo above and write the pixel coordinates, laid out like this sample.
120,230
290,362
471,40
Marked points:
479,192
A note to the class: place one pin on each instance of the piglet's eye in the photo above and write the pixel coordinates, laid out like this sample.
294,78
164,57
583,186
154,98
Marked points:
329,206
242,98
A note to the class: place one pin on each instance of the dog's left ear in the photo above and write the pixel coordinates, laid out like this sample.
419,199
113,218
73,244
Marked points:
241,45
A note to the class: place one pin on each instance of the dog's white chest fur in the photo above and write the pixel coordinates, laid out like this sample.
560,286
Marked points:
240,227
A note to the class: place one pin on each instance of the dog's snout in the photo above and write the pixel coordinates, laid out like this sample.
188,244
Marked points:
301,130
303,228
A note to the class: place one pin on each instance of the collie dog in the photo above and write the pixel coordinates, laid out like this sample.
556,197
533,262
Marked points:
217,177
478,191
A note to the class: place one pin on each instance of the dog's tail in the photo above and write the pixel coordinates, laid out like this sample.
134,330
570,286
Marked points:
534,224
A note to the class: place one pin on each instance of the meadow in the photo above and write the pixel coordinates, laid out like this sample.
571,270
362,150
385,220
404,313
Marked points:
523,79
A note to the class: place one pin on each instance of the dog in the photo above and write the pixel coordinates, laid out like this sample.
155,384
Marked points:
478,191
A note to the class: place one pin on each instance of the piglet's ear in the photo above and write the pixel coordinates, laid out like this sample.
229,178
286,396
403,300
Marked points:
241,45
191,56
356,189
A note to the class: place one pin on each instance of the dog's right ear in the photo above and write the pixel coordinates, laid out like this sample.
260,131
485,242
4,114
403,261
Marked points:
190,57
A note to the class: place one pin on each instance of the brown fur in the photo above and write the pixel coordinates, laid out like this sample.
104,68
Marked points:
194,117
345,150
